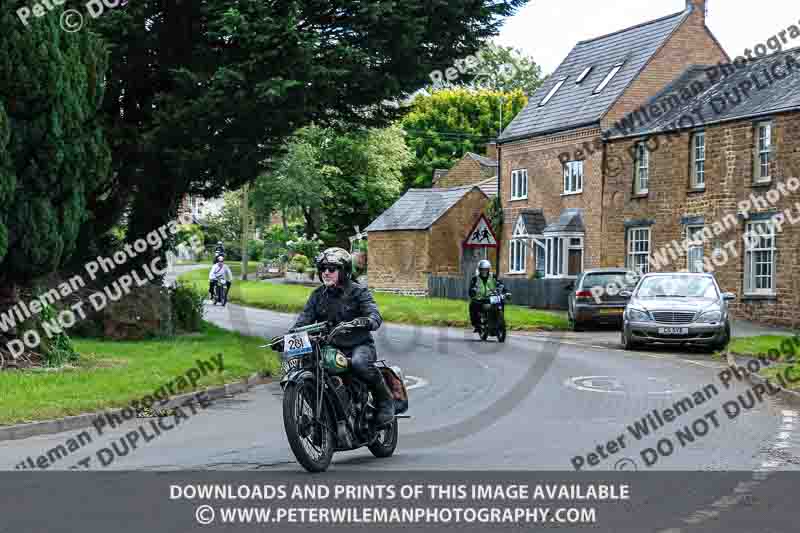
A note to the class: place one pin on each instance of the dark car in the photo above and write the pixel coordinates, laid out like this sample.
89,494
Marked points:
678,308
594,297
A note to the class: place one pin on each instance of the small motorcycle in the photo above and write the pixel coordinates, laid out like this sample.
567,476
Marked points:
493,320
325,408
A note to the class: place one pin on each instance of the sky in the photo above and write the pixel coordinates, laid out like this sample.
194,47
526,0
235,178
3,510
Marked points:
547,30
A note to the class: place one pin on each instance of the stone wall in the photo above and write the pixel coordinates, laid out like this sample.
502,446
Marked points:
398,260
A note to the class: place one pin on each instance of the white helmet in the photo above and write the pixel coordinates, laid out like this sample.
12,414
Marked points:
484,264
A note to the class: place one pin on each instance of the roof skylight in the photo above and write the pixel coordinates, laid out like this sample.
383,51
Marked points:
608,78
583,75
555,88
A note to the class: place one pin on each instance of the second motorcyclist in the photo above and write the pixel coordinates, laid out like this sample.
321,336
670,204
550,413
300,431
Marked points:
479,288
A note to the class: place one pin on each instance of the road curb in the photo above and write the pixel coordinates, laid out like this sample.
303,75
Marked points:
754,379
69,423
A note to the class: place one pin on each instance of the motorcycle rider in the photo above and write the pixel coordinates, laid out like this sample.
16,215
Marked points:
479,288
218,251
340,299
220,272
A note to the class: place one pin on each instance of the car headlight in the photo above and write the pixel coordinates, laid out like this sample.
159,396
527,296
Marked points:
709,317
638,316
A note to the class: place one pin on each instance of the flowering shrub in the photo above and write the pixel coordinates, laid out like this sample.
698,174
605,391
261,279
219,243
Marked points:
307,247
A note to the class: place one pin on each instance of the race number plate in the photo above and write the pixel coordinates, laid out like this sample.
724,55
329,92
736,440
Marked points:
494,299
673,331
296,344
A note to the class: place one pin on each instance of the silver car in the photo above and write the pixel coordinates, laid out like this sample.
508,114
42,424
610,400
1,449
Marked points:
677,308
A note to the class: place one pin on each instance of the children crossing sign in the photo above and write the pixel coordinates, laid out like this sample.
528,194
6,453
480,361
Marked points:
481,235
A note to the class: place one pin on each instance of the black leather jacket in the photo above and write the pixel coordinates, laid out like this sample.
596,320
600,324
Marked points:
342,304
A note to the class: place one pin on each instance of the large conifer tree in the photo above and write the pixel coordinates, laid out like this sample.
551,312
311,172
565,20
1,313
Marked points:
53,153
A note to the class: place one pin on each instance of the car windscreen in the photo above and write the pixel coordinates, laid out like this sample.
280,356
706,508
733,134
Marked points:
678,286
606,279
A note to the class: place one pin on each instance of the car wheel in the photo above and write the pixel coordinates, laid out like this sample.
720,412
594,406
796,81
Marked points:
627,343
574,325
721,345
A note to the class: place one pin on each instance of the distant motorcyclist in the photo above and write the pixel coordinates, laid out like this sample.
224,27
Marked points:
218,251
220,273
479,288
340,299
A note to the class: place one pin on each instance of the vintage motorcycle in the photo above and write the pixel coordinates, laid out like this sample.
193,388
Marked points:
493,319
325,408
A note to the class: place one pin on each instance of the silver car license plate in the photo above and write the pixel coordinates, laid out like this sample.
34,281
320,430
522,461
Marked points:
673,331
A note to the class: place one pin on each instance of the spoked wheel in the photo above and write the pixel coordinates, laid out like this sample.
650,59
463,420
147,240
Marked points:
385,441
311,440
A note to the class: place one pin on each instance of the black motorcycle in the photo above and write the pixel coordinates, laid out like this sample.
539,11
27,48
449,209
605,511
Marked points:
493,319
220,292
326,409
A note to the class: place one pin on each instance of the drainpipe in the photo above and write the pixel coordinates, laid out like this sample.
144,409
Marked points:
500,203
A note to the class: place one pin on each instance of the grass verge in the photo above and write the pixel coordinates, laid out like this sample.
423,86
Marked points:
401,309
781,351
111,374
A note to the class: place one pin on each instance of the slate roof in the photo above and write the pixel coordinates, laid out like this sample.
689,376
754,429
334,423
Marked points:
534,221
418,209
570,220
574,105
484,161
721,100
488,187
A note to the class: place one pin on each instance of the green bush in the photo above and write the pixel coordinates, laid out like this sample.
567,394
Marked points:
58,349
233,251
187,306
299,263
255,250
306,247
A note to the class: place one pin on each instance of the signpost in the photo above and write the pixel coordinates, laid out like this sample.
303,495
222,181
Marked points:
481,235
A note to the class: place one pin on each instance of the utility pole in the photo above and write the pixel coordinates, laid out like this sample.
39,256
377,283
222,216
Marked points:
245,213
499,229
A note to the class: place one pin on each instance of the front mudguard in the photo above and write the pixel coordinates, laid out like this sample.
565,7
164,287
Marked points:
296,376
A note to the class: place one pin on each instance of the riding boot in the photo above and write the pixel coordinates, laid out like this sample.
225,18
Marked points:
384,402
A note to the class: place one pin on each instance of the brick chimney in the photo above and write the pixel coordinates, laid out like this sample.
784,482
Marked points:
491,150
699,5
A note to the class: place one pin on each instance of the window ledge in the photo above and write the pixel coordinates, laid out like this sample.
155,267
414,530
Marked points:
696,190
518,199
640,195
571,193
760,297
516,273
765,183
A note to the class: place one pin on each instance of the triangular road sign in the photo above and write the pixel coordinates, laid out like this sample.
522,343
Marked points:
481,235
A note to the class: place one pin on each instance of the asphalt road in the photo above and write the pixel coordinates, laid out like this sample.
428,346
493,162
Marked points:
533,403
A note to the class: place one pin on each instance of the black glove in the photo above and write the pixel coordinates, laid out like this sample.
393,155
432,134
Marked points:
362,322
276,343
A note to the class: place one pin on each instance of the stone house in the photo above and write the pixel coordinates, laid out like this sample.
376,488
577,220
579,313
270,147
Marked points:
472,169
719,192
552,154
423,232
420,235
